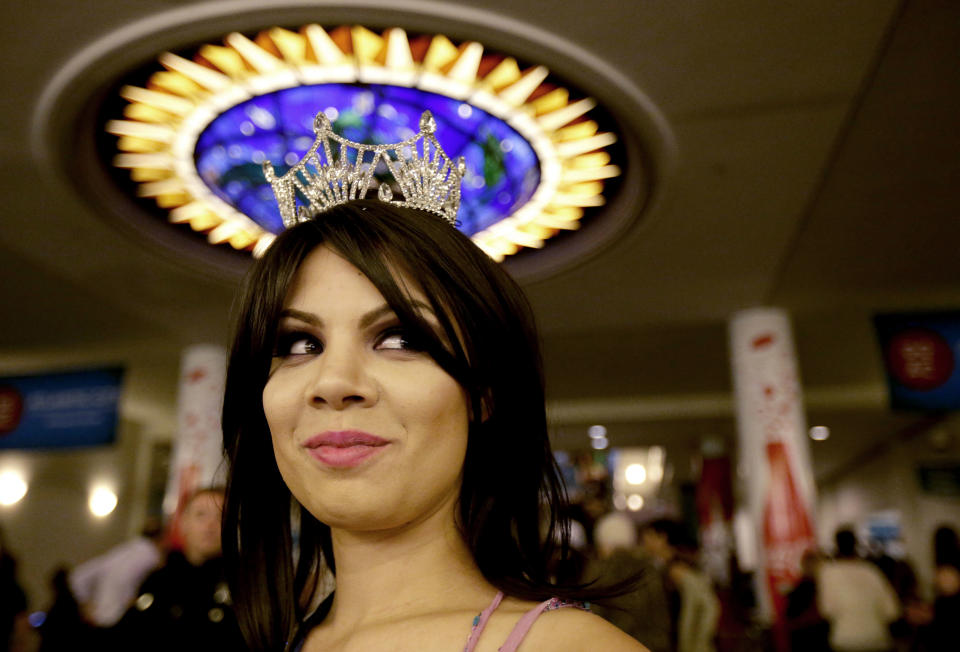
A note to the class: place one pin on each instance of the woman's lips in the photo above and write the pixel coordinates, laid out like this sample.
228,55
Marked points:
344,448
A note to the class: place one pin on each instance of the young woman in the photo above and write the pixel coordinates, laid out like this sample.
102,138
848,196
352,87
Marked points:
384,419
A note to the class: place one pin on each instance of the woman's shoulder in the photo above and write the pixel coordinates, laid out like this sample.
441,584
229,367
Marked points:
571,630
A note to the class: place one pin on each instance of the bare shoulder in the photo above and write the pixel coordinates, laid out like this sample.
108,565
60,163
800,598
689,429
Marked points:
573,630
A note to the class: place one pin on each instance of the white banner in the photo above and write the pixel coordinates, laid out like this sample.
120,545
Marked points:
774,450
197,460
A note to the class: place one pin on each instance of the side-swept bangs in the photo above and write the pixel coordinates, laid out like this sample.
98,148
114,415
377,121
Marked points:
488,344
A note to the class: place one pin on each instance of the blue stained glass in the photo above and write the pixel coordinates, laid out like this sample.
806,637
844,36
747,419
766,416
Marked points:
502,169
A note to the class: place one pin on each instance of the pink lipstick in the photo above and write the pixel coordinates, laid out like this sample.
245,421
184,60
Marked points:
344,448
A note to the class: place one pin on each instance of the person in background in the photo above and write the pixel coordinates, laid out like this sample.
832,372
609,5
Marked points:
856,599
569,568
694,606
105,586
642,613
63,628
946,606
807,626
185,605
889,557
13,602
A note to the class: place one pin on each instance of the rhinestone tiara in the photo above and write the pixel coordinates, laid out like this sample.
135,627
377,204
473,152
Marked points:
422,172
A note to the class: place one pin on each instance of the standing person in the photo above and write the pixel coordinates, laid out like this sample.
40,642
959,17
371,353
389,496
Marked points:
946,605
856,599
63,629
13,602
185,605
807,626
384,401
694,606
642,612
106,585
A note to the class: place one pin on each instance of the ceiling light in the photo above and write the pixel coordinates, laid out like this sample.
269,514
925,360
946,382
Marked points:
599,443
819,433
13,487
596,432
635,502
102,502
550,132
636,474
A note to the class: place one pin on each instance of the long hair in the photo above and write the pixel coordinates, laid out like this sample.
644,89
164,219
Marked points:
510,480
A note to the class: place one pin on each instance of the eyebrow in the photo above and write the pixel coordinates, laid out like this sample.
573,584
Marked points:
368,318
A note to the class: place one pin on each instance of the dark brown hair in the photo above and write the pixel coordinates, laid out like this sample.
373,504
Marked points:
510,479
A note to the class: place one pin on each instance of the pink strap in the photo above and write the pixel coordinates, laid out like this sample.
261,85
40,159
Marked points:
524,624
481,621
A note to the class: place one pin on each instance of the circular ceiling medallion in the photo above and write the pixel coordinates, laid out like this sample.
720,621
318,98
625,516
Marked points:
194,135
503,170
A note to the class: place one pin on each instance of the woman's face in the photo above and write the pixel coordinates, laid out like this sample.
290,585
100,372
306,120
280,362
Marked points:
368,431
200,526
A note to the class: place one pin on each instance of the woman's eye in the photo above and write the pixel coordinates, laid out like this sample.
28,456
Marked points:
297,344
395,339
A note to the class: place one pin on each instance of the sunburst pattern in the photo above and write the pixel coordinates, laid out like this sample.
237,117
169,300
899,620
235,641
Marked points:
162,122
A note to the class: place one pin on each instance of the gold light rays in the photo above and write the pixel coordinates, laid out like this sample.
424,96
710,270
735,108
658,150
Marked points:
162,122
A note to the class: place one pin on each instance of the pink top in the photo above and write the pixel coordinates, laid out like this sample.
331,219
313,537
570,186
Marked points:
523,625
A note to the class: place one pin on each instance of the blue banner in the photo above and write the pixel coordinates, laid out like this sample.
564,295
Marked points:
920,353
60,410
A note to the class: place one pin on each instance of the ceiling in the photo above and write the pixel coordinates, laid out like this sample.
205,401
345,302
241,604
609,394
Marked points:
803,155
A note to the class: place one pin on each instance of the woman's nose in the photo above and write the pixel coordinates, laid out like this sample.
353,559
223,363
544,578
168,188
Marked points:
341,380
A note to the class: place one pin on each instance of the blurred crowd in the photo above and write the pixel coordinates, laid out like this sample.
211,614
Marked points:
849,601
164,591
690,596
873,601
159,591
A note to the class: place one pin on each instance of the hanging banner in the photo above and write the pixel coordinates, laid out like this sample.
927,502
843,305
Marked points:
774,451
197,460
715,515
920,357
60,410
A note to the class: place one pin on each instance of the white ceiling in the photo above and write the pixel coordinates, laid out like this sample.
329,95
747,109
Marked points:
804,156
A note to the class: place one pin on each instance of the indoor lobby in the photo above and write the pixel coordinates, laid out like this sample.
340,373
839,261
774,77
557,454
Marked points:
736,223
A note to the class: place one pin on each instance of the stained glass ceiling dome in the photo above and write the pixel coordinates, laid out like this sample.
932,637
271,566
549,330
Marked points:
195,136
502,169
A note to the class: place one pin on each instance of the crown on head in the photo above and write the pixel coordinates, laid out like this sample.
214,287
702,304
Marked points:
426,177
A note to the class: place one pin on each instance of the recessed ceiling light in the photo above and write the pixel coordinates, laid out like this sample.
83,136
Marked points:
597,431
636,474
13,487
102,501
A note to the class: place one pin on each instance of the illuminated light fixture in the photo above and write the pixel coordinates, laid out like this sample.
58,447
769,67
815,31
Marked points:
819,433
13,487
637,470
599,443
595,432
102,502
635,474
655,460
160,135
635,502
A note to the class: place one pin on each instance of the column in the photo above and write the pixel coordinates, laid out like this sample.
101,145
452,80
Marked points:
774,453
197,459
